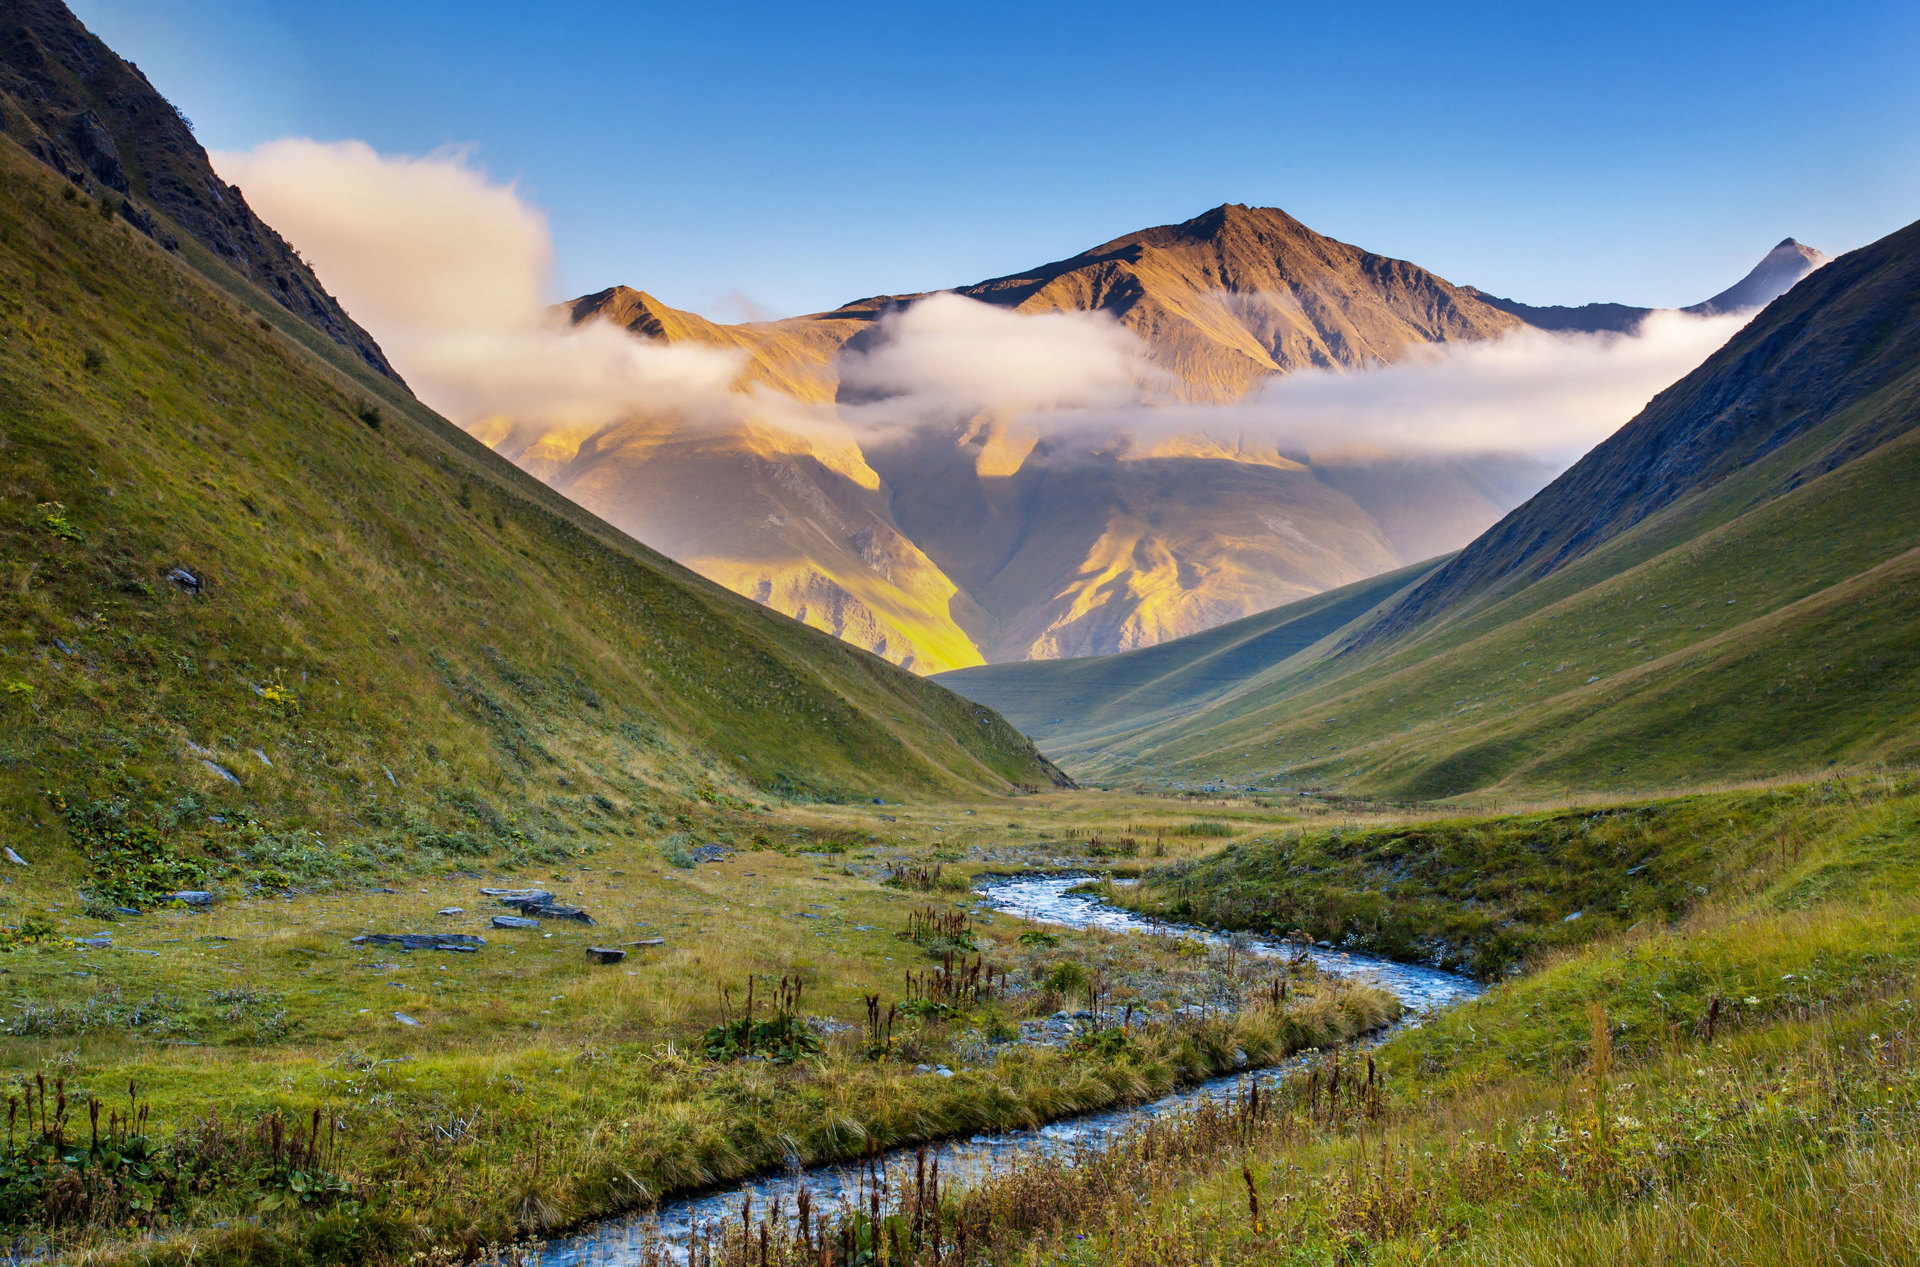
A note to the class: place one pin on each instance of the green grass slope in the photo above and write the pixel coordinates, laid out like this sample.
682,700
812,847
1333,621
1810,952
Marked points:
1079,704
401,644
1659,616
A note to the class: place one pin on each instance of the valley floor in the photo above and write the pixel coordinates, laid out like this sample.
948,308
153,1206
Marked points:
1714,1061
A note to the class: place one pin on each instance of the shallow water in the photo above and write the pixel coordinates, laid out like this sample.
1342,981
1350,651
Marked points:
1045,900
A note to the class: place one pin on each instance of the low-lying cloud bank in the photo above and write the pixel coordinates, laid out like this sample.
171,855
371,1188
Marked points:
453,273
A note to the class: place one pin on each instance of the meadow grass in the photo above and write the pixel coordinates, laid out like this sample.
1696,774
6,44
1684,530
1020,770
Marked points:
262,1006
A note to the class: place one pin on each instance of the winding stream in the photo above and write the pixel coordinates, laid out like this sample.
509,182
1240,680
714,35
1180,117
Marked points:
1045,900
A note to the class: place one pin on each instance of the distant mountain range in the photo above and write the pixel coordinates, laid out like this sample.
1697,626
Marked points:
1725,588
970,540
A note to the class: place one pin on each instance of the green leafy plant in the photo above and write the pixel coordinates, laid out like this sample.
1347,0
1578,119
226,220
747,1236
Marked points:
781,1037
133,865
55,522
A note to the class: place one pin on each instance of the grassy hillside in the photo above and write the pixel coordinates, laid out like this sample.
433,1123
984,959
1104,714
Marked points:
397,643
1740,619
1077,705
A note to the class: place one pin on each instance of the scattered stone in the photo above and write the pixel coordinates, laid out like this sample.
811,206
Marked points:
125,910
184,579
390,778
220,770
887,818
1576,915
649,941
404,1019
191,897
459,943
605,954
15,858
538,904
514,921
452,910
712,853
261,755
102,941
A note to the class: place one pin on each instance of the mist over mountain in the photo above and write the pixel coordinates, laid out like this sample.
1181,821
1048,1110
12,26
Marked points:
1722,588
1173,429
1145,493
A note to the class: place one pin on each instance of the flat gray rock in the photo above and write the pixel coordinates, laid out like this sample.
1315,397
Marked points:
605,954
191,897
514,921
460,943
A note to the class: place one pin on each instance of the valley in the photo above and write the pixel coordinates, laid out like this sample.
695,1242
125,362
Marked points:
845,823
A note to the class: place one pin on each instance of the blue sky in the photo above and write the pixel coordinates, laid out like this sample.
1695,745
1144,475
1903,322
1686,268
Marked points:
788,157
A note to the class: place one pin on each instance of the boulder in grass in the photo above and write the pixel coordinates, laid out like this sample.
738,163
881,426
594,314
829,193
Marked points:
554,910
538,904
605,954
191,897
514,921
459,943
518,897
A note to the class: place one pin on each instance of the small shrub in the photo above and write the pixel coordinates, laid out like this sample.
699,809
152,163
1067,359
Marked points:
1066,977
674,850
370,414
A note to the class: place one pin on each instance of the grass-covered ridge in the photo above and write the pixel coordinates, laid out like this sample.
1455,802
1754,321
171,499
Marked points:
398,646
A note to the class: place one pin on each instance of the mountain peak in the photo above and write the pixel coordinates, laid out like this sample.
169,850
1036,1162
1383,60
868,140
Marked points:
1778,271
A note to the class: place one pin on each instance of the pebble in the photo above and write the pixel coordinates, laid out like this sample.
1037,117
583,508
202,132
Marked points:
404,1019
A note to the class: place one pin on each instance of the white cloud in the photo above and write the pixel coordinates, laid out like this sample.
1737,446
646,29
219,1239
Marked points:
1547,394
948,354
452,273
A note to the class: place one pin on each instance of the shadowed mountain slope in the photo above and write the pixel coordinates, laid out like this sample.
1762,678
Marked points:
239,591
74,104
1722,589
